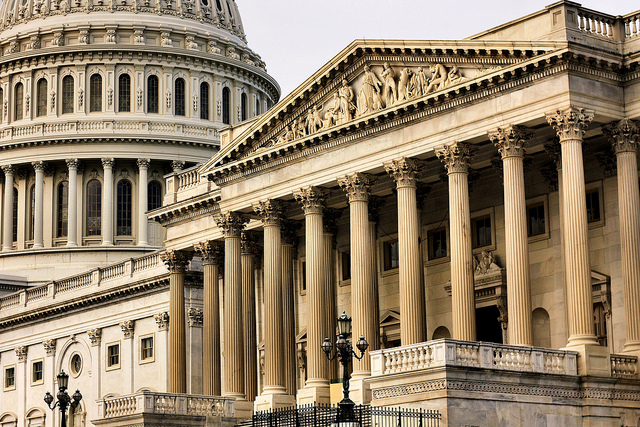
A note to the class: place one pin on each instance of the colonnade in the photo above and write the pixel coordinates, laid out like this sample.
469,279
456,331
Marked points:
279,365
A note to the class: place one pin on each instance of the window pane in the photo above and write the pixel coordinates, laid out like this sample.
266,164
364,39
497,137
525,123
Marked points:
124,93
94,208
179,93
152,95
123,220
42,98
154,195
67,95
63,209
482,231
204,101
593,206
243,107
226,105
95,86
19,111
438,244
536,220
391,255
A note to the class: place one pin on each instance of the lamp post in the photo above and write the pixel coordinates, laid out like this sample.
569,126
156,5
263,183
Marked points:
64,400
345,353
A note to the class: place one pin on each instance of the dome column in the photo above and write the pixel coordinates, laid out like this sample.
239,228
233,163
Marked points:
72,203
107,203
143,227
39,205
7,232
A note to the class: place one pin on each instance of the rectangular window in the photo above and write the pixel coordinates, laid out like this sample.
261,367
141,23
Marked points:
113,355
146,348
438,243
593,205
10,378
391,255
303,275
536,219
481,231
36,372
346,265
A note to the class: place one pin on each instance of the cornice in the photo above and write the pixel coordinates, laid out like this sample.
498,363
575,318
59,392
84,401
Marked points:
85,139
186,210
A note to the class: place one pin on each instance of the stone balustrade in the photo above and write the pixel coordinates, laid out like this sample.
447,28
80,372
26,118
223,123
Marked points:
631,24
147,402
595,23
448,352
188,178
624,366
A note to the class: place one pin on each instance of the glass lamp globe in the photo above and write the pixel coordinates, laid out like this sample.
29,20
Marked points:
344,324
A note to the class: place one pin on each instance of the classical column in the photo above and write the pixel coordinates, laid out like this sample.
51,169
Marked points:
455,157
412,304
7,235
624,136
249,250
212,254
570,125
72,203
289,239
365,320
232,224
177,262
330,230
511,141
143,228
107,203
39,205
317,385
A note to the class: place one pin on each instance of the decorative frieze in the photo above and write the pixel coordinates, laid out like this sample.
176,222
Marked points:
176,261
311,198
162,320
127,328
623,135
21,353
455,157
211,252
570,123
231,223
95,336
357,186
511,140
196,317
49,347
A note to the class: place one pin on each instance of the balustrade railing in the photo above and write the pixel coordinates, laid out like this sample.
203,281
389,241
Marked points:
188,178
631,24
595,23
447,352
146,262
623,366
73,283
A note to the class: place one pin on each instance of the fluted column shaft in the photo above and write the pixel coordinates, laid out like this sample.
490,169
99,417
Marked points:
7,234
177,262
107,203
143,172
288,319
249,318
625,135
232,224
455,157
365,322
510,142
38,216
72,204
412,306
570,125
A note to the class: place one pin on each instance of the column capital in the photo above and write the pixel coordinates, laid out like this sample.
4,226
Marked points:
554,150
38,166
249,243
570,123
289,232
49,347
231,223
95,335
143,163
162,320
8,169
311,198
176,261
73,163
177,165
128,328
357,185
21,353
623,135
270,211
511,140
108,163
211,252
455,157
404,171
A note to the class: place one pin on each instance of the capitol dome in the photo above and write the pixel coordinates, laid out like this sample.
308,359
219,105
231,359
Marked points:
100,99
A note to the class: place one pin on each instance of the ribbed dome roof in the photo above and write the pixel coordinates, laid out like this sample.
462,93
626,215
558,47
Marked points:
221,14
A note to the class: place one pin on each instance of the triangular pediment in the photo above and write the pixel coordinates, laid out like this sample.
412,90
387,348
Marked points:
372,81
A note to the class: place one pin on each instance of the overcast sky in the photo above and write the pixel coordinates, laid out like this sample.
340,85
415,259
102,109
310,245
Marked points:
297,37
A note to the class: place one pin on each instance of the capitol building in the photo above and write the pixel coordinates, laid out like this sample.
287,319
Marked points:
180,240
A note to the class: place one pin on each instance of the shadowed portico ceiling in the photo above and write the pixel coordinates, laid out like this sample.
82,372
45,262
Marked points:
373,86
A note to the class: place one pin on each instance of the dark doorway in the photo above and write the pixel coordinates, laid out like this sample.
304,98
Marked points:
489,328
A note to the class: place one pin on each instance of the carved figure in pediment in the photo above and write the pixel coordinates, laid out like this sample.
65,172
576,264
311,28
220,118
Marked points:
438,78
403,84
64,5
309,123
414,89
317,120
389,92
454,77
369,97
289,134
485,263
298,128
331,115
347,107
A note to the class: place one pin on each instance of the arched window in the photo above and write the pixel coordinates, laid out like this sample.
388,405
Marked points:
179,94
15,214
154,195
95,95
226,106
204,101
67,94
32,210
243,107
257,106
42,98
124,93
63,209
19,110
123,218
94,208
152,95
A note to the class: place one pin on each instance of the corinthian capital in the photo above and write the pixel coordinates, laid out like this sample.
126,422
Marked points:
8,169
211,252
143,163
176,261
38,166
108,163
249,243
623,135
311,198
570,123
271,212
511,140
455,157
231,223
404,171
73,163
357,186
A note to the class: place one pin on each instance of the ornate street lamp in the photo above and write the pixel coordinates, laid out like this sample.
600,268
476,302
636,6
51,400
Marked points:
64,400
344,351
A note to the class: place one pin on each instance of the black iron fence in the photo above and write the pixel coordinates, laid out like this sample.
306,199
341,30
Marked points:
367,416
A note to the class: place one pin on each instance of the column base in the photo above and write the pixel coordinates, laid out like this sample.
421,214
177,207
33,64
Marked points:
107,243
244,410
265,402
593,360
359,390
71,245
315,392
143,243
632,348
37,246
